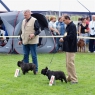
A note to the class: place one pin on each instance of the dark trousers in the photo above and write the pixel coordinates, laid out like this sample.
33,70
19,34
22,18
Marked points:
91,44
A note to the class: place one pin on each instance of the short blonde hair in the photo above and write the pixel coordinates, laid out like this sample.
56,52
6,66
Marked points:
52,17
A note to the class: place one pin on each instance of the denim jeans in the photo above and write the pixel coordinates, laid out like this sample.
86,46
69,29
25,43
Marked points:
59,44
30,48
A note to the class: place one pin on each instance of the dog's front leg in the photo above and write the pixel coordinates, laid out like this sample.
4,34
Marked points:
23,72
65,79
80,49
49,77
84,48
61,80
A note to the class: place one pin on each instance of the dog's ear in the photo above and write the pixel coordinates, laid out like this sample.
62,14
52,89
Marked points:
18,61
46,68
21,60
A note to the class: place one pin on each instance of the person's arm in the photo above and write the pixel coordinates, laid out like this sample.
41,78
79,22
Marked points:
52,29
72,33
20,35
87,29
79,30
36,28
90,24
20,39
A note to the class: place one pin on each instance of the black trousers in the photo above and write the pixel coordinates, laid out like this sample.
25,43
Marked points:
91,43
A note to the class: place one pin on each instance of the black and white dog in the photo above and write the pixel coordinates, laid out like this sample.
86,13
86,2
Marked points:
59,75
25,67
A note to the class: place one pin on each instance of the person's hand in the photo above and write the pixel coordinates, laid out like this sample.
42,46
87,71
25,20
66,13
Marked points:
61,40
57,31
20,42
31,36
86,30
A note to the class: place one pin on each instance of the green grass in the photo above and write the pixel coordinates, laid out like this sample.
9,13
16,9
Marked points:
30,84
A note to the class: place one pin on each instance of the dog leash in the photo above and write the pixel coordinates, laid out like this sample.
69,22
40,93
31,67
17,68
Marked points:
51,61
52,58
55,48
53,53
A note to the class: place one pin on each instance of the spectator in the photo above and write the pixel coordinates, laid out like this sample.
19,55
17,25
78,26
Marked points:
3,28
79,23
52,26
87,22
47,17
2,39
61,28
83,29
53,29
92,34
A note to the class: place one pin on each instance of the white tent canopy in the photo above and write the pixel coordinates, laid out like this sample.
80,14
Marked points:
49,5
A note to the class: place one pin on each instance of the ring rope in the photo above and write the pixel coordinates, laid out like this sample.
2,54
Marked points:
51,37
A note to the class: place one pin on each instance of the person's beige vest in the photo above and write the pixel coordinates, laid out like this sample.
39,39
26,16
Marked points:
27,29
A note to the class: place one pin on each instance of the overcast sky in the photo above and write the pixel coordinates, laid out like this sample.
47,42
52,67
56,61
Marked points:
46,5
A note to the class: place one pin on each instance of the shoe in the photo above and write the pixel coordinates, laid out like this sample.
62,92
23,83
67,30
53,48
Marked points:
73,82
89,51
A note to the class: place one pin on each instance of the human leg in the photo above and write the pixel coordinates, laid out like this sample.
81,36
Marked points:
57,44
26,51
84,35
91,44
34,55
71,67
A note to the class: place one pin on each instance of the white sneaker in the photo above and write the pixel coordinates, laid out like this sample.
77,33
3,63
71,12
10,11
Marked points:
88,51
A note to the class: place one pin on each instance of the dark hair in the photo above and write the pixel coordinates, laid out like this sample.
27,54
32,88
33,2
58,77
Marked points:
87,17
83,18
59,18
79,19
67,17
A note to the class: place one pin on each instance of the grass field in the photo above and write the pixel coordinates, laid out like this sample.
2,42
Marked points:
30,84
